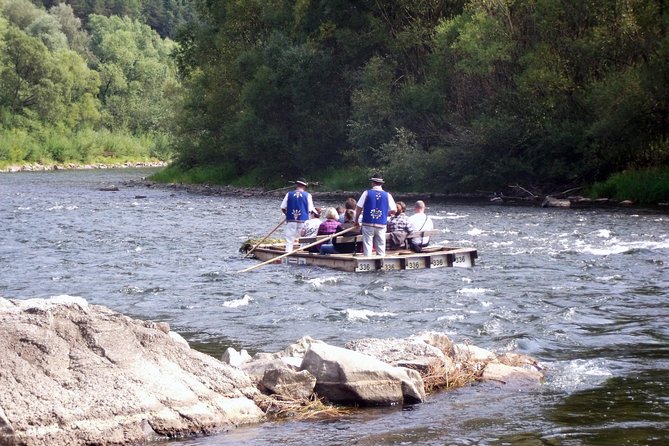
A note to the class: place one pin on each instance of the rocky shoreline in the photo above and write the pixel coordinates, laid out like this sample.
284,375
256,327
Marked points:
75,373
37,167
482,198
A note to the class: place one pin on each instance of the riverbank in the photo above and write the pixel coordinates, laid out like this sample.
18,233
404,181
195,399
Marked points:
480,198
38,167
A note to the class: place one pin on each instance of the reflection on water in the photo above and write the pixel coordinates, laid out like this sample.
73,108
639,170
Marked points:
584,291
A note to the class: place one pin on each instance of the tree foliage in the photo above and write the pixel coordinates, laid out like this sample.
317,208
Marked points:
56,76
474,94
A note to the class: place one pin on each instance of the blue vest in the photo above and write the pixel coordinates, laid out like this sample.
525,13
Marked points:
297,208
375,211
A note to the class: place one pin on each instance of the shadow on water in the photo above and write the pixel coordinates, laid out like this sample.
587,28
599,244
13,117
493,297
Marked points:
632,409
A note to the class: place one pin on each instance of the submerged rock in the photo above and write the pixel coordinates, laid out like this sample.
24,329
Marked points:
73,373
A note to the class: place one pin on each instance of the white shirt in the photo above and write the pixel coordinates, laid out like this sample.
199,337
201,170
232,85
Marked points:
420,222
310,228
310,202
391,201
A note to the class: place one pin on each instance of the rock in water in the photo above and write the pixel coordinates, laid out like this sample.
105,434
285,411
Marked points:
346,376
73,373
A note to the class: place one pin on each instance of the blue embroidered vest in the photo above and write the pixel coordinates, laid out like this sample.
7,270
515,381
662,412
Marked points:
375,211
297,208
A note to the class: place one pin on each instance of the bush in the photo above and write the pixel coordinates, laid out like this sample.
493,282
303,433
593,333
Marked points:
206,175
57,145
647,186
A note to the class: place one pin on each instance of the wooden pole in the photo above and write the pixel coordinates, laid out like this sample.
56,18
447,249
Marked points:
302,248
265,238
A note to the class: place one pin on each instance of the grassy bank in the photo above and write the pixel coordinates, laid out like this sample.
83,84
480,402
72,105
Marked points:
649,186
48,146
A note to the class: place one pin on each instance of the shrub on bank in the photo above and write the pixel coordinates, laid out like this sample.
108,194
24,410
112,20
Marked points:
647,186
220,175
49,145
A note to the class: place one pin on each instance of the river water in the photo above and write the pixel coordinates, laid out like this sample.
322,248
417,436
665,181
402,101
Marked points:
586,292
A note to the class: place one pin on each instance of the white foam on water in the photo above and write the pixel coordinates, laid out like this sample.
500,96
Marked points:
466,280
609,278
364,315
455,216
617,247
318,282
451,317
473,290
235,303
577,374
475,231
604,233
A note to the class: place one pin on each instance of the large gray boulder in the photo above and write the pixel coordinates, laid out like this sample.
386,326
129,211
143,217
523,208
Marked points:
289,383
73,373
349,377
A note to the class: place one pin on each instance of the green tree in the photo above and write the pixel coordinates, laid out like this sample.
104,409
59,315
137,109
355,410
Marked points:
137,75
34,83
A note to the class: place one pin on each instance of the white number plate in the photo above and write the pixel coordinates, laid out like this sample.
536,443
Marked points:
462,260
438,262
415,264
364,266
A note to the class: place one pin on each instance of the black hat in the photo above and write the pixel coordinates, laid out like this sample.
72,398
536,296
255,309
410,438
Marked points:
302,182
376,179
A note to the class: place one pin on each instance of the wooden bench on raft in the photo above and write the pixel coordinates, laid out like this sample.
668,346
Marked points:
358,238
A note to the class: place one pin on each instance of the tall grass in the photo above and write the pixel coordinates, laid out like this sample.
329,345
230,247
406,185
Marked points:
50,145
648,186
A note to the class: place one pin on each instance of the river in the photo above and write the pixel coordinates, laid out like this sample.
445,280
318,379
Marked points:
586,292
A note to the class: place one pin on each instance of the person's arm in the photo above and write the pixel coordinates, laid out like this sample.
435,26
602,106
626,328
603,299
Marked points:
310,203
284,204
359,206
358,210
392,207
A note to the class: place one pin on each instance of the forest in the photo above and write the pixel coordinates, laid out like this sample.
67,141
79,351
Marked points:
436,95
81,84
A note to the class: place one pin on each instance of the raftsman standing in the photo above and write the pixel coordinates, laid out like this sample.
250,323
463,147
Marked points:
374,204
296,205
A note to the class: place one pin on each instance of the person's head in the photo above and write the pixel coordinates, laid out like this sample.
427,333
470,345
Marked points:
301,183
376,180
316,213
331,214
340,210
419,207
401,207
349,215
351,203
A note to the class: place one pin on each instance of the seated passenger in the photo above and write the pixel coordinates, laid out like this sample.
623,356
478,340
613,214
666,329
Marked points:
351,203
419,222
327,227
398,228
342,248
310,227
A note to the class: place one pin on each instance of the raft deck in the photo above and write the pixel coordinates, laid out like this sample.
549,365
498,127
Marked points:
431,257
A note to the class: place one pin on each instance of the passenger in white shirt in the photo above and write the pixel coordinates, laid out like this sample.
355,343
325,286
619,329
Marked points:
419,221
